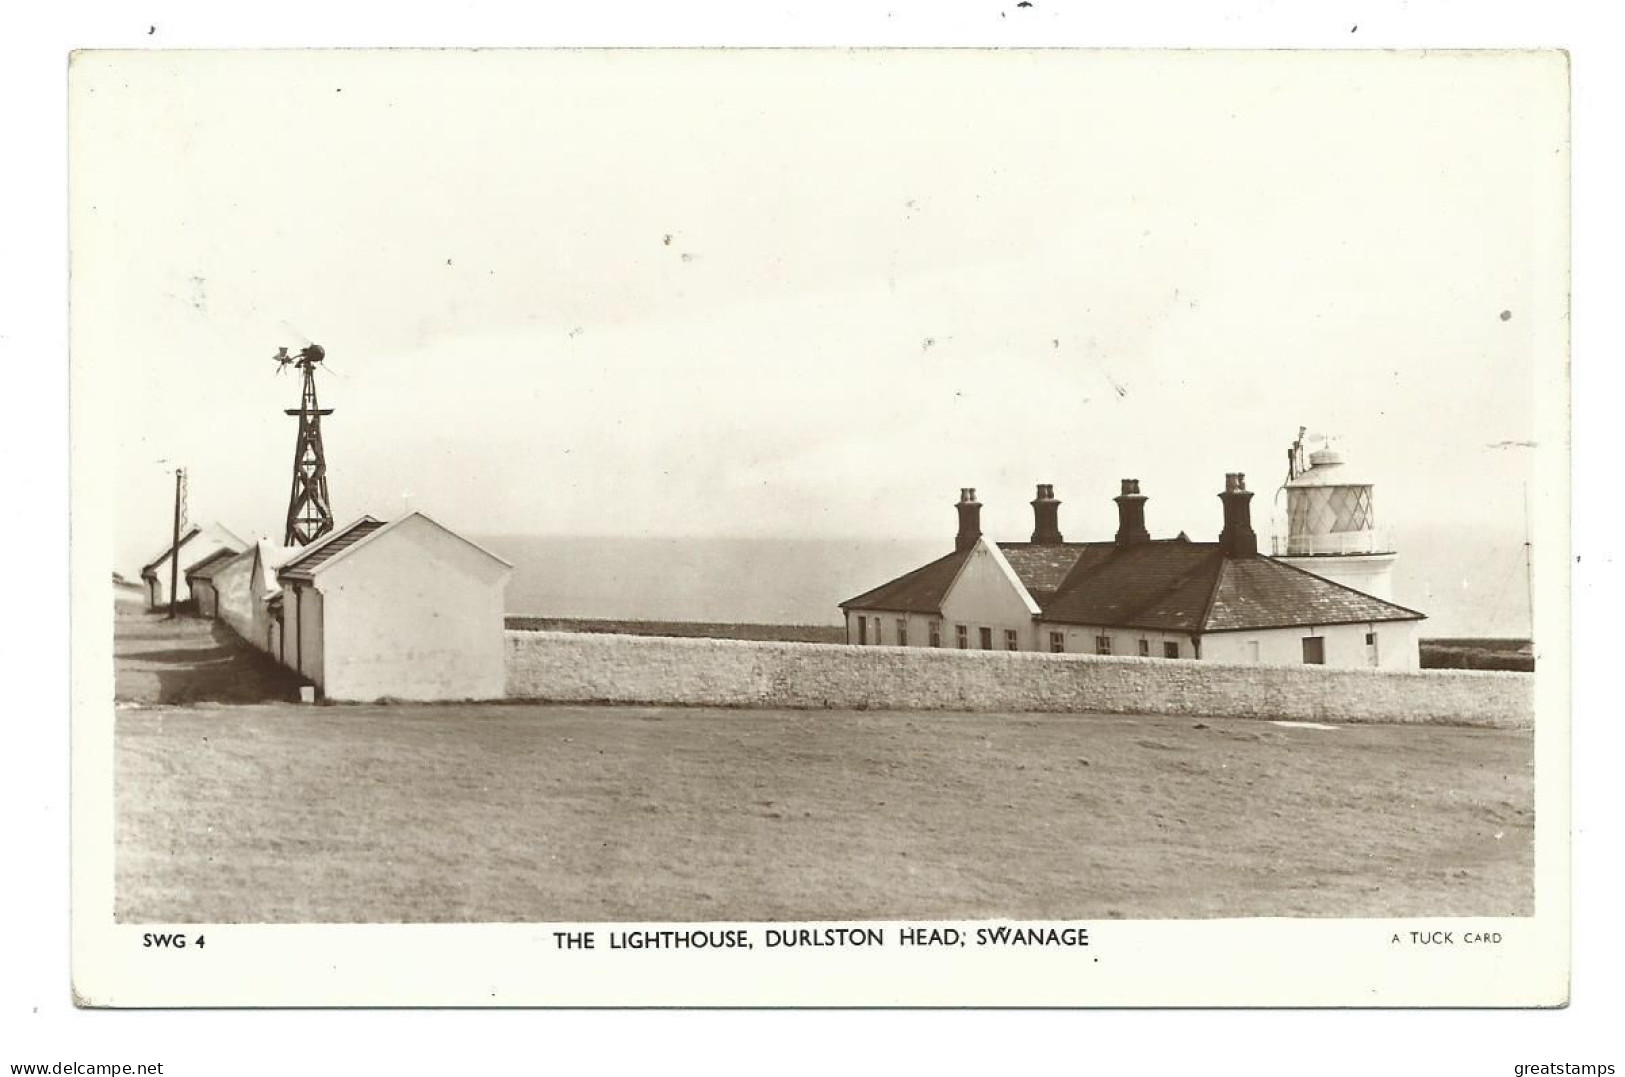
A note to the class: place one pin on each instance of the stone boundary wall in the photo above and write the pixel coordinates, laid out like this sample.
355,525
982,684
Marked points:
563,667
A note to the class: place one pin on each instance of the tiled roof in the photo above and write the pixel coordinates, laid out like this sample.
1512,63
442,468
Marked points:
1193,587
1146,585
206,568
920,591
1042,568
1172,585
302,565
1260,592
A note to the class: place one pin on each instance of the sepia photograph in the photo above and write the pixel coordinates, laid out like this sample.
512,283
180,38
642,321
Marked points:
835,498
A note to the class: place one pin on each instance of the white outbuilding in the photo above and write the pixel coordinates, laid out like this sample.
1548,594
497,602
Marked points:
402,610
196,545
200,581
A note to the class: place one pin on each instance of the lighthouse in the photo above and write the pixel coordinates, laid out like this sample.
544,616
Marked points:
1331,523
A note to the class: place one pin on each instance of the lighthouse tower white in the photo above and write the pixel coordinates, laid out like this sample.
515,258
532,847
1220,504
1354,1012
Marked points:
1331,524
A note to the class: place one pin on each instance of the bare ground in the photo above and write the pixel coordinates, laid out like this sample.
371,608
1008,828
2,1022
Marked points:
190,659
274,812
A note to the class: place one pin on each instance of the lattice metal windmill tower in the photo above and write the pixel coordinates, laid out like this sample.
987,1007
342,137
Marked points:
310,513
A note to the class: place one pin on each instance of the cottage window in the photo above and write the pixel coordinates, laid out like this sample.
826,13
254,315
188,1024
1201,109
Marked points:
962,635
986,635
1170,649
902,632
1145,648
877,631
1057,643
863,630
1103,645
1314,651
1010,641
936,633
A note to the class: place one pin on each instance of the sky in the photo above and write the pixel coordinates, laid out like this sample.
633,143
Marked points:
813,294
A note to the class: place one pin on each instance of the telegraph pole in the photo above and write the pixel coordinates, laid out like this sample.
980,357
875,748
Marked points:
175,545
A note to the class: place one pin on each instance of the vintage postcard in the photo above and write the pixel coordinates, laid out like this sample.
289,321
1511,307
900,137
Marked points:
847,527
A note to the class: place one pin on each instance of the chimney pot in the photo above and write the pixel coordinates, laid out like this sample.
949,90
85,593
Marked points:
1131,514
970,519
1046,517
1238,538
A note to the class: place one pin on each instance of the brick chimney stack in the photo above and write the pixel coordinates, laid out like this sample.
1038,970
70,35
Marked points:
1046,517
970,519
1131,515
1238,538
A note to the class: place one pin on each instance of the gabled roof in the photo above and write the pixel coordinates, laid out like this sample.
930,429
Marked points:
920,591
206,568
1002,563
1171,585
229,541
268,557
345,541
302,564
1146,585
1042,568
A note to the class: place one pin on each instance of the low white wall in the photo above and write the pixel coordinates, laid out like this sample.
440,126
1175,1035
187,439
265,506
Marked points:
580,667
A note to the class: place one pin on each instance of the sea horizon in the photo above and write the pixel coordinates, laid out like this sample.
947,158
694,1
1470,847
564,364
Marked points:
1468,581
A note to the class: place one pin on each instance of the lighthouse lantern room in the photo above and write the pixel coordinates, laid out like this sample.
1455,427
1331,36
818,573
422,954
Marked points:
1331,523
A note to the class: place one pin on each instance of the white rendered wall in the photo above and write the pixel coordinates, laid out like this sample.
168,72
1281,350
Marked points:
918,629
261,622
415,613
1080,639
1345,645
985,596
233,601
305,602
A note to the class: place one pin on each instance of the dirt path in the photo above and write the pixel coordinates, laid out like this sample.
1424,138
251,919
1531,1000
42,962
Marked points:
190,660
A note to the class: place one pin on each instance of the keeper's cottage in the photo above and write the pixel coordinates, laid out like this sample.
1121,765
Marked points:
1152,598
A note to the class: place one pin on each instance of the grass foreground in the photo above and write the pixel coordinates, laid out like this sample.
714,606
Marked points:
285,813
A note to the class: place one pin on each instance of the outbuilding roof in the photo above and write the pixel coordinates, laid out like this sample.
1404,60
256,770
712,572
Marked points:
346,540
225,539
206,568
302,564
152,566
